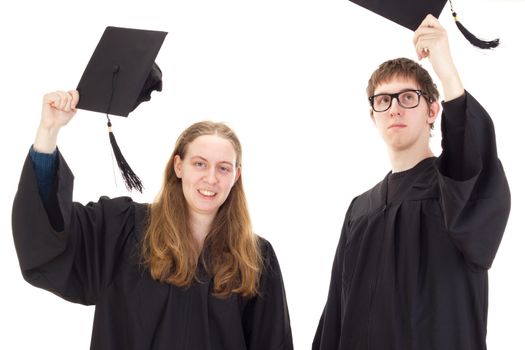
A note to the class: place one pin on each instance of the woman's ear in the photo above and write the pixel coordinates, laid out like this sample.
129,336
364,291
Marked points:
237,174
177,166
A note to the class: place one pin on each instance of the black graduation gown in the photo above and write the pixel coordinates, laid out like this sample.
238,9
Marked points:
411,272
94,260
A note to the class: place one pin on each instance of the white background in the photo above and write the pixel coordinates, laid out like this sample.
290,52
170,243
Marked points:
289,76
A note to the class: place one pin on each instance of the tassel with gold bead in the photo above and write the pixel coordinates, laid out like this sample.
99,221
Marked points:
483,44
131,180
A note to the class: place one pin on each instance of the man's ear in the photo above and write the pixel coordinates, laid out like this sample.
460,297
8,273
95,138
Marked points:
433,112
372,116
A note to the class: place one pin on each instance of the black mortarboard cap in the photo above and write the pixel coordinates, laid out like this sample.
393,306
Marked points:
121,72
410,14
120,75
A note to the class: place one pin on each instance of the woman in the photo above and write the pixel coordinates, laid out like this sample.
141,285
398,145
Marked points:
185,272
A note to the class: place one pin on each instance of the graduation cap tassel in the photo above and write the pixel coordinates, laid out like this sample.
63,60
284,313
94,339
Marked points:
471,37
131,179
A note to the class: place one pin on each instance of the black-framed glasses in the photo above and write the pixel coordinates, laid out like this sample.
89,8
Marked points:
406,99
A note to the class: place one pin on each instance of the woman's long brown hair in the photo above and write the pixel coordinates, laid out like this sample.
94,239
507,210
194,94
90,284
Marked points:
231,255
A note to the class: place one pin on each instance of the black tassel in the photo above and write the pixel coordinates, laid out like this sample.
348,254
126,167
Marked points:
131,180
483,44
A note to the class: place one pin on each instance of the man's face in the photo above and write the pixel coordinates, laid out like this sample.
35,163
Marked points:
404,128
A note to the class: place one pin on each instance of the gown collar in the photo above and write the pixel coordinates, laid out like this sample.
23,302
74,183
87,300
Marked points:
406,178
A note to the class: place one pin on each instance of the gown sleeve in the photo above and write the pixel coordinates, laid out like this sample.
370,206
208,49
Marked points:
329,329
62,246
44,165
266,319
474,193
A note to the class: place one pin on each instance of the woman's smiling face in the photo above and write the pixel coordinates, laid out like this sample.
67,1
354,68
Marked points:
208,172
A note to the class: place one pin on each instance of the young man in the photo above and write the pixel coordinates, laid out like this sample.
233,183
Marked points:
410,270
